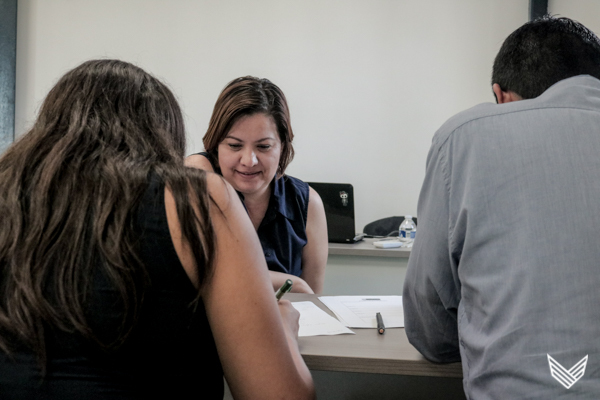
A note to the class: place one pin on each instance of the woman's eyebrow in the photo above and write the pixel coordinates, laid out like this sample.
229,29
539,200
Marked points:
257,141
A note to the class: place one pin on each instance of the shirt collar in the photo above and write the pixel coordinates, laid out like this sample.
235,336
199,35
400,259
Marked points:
283,202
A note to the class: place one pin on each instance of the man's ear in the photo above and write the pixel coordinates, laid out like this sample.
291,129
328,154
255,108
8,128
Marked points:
504,97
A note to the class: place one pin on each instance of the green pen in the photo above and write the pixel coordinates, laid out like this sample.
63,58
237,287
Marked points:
286,287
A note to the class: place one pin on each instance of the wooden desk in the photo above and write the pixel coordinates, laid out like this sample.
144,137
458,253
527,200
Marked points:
372,366
368,351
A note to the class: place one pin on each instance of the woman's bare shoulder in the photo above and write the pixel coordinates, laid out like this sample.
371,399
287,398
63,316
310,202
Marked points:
199,161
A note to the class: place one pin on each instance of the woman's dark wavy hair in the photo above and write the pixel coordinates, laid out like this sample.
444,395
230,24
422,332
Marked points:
69,191
248,96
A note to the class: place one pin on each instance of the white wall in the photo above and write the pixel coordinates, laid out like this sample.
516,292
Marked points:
368,81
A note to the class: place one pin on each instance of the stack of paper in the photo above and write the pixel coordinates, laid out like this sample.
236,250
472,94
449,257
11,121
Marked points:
360,311
314,321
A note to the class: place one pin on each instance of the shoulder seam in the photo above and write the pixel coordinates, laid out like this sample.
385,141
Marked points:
450,133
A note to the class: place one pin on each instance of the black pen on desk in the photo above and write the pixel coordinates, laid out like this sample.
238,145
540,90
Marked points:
286,287
380,326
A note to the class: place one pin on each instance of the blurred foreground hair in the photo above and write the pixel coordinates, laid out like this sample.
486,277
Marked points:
69,194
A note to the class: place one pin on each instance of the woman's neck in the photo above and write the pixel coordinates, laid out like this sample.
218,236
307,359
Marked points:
257,205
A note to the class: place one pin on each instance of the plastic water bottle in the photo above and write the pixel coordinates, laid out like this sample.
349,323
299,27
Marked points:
408,229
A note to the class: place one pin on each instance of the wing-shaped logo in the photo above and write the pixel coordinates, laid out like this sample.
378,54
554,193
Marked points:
570,377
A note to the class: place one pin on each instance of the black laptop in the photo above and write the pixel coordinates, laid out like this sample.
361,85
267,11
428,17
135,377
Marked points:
338,199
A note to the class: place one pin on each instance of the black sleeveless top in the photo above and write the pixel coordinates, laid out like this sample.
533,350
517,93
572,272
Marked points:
170,352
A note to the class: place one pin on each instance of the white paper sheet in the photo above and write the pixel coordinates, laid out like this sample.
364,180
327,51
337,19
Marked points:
360,311
315,322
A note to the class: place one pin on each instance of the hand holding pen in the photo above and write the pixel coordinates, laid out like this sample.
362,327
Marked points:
289,314
286,287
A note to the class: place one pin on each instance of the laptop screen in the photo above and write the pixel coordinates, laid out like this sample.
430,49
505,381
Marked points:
338,200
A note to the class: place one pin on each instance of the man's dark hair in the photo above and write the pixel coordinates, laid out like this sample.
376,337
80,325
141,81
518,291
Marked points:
543,52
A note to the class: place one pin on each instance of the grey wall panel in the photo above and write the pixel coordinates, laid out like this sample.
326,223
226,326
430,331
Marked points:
8,55
537,8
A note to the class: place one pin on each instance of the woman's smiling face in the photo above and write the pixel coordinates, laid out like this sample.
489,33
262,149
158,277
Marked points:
249,154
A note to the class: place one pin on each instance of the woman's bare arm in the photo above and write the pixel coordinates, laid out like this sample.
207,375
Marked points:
256,339
299,285
314,255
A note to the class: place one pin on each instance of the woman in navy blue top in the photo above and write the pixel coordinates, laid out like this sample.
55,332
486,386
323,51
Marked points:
249,143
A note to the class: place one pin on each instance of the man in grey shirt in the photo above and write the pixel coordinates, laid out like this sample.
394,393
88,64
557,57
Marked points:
504,274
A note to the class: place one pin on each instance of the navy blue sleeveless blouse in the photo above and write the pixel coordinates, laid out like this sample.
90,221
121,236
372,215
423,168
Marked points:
282,232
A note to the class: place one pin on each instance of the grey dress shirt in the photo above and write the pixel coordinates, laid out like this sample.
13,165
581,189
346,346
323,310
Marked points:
505,270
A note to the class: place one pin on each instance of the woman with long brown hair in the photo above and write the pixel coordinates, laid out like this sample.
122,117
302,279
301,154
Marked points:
249,142
124,274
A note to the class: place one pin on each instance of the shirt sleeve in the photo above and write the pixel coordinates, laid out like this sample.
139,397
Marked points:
431,288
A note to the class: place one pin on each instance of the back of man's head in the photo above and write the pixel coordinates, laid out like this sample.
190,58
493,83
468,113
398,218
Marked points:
543,52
